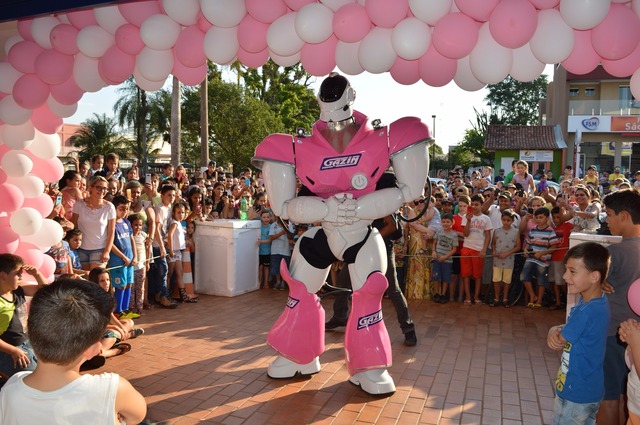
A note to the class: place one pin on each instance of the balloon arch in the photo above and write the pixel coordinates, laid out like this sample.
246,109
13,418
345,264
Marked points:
56,59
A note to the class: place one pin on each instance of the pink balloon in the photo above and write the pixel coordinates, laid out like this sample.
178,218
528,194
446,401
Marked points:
297,4
24,29
53,67
3,149
633,296
478,10
30,92
266,11
49,170
319,59
63,39
12,197
387,13
128,39
67,93
187,75
583,59
203,23
513,23
48,267
82,18
42,203
253,60
3,175
436,70
545,4
252,34
455,35
189,48
351,23
9,240
624,67
46,122
116,66
405,72
23,54
618,34
31,254
137,12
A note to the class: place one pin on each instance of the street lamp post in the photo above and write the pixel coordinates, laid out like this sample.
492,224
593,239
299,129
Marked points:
433,134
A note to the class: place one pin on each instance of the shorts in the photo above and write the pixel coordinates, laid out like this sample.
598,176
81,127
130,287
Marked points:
455,269
264,259
556,271
470,263
112,334
532,270
176,257
502,274
441,272
566,412
615,369
276,259
89,256
121,277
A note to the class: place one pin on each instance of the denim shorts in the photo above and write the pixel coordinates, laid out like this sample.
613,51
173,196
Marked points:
532,270
569,413
89,256
274,263
441,272
6,361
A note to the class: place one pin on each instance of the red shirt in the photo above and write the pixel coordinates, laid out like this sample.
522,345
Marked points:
562,232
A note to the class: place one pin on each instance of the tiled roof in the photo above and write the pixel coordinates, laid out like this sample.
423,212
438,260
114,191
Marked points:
524,137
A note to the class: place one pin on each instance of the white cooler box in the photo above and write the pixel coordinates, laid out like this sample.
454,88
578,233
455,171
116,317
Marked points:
227,257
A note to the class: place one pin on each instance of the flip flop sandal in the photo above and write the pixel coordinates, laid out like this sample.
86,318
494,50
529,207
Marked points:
122,348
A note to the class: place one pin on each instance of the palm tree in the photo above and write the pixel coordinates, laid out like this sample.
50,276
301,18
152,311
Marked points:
99,135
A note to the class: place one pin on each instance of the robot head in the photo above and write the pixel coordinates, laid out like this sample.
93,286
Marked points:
335,98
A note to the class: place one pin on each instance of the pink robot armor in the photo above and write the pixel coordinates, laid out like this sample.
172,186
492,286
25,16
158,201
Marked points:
406,132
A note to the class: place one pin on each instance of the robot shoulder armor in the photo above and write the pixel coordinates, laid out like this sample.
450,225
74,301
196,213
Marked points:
275,147
406,132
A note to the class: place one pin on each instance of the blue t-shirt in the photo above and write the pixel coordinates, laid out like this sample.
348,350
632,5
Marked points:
122,241
580,378
265,248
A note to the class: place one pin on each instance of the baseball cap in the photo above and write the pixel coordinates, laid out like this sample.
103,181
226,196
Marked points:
447,201
212,163
505,195
510,186
592,167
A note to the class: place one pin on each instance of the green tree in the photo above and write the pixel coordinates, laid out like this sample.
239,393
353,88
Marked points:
471,151
99,135
516,102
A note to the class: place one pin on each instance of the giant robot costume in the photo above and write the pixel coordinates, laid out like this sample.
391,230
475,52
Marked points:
341,167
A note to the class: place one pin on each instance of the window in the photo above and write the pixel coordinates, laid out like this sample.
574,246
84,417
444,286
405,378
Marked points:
574,92
589,91
625,97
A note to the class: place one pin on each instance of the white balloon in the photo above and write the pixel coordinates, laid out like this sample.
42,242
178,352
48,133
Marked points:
64,111
411,38
159,32
154,65
376,54
490,62
18,137
525,67
464,78
221,44
347,58
635,84
8,77
94,41
64,18
49,234
285,60
11,113
314,22
45,146
430,11
26,221
583,14
184,12
86,75
10,42
223,13
41,30
16,163
146,84
31,186
109,18
282,37
336,4
553,40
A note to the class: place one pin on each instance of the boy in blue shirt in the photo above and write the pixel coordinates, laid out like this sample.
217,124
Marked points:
580,380
264,249
122,259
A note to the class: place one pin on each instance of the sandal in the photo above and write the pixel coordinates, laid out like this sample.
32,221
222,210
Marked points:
165,303
467,302
186,298
536,305
122,348
505,303
478,301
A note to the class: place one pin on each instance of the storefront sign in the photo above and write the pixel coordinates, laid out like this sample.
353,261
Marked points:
610,148
627,123
536,156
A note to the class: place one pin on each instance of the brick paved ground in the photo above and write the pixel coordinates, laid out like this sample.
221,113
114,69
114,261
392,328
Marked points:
206,363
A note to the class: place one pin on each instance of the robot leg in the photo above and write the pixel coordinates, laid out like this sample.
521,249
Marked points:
298,334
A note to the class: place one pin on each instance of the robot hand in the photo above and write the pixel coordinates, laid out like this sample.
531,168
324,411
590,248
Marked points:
341,209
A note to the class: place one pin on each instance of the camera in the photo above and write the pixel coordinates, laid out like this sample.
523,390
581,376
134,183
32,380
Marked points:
529,210
520,193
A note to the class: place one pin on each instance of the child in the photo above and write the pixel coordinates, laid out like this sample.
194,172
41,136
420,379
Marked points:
123,259
66,321
279,250
264,250
537,249
580,380
74,241
630,333
563,231
143,253
190,241
176,242
69,186
477,233
59,251
506,242
16,353
445,244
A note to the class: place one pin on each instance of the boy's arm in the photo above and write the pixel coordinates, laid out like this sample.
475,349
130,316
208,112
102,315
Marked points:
493,243
466,230
111,235
131,407
630,333
173,227
449,254
555,340
134,260
19,357
120,254
487,238
516,248
158,237
434,253
29,288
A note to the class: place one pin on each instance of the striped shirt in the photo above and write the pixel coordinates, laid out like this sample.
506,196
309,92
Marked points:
541,240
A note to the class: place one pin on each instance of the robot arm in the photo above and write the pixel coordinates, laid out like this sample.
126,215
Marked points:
280,183
411,166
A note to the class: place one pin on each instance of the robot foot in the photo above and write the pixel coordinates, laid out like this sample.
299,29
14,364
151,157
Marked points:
374,382
282,368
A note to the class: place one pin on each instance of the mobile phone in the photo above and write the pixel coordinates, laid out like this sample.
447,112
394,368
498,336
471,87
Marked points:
129,194
147,178
58,199
199,207
530,210
521,193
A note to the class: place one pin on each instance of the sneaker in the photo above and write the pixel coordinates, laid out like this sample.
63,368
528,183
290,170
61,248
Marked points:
334,324
410,339
436,298
136,332
128,314
282,286
275,286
